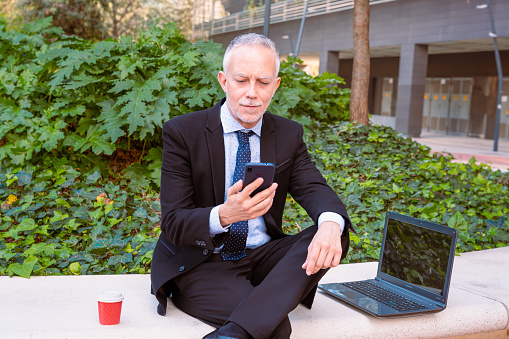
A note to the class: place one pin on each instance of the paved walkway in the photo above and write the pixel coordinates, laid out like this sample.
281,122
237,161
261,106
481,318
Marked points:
464,148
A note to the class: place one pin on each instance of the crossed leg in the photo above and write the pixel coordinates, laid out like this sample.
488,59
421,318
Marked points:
256,292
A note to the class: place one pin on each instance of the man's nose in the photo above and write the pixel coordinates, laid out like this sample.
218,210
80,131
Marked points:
251,91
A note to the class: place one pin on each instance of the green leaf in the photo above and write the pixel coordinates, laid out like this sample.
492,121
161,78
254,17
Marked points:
51,135
26,224
353,199
23,270
59,77
136,174
95,139
124,258
75,268
24,178
128,66
458,222
135,103
112,120
99,244
119,241
82,80
7,254
40,247
94,177
72,110
38,26
500,223
140,213
58,216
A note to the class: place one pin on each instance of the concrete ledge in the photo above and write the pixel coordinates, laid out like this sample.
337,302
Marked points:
66,307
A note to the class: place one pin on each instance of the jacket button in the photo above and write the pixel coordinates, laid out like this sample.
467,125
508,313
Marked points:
181,269
205,251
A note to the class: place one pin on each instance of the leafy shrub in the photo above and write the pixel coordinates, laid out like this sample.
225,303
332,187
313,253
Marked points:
81,100
80,150
58,220
80,153
94,102
307,99
373,169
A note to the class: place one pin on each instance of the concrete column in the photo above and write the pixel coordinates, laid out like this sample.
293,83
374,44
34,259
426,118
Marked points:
377,93
329,62
413,65
483,106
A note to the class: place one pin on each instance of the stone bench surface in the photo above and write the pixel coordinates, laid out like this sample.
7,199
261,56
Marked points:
66,307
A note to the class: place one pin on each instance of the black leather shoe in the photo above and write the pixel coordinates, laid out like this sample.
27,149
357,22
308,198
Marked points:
215,335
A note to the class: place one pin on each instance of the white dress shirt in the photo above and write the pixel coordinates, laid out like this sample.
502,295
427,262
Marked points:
257,234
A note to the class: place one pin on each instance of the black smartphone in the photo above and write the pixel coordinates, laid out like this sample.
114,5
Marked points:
254,170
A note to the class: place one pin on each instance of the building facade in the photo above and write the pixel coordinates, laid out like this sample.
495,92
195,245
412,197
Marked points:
432,61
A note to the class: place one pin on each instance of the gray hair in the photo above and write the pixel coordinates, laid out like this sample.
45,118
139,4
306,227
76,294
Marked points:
249,39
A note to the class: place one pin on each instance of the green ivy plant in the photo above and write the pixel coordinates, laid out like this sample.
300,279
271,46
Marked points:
374,170
58,220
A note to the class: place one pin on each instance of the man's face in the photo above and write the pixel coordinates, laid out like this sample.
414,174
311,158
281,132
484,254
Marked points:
250,83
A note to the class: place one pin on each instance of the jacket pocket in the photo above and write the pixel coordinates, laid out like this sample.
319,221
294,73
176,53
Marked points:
166,247
284,165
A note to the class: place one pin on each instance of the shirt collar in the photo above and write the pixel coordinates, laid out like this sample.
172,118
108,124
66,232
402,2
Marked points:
231,125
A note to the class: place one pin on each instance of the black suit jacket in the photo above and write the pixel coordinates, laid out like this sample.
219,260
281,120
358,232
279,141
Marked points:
193,182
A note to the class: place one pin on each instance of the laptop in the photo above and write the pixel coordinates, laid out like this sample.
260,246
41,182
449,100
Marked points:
414,271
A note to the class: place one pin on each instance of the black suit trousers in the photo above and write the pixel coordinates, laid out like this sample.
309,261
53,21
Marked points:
257,292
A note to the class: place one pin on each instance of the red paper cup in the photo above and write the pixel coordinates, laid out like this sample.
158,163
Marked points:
110,307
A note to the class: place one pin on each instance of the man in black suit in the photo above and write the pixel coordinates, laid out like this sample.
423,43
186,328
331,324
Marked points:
222,255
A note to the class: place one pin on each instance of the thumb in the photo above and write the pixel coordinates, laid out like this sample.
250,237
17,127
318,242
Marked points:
234,189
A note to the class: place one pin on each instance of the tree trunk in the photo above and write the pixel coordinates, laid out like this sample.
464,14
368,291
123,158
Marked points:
360,75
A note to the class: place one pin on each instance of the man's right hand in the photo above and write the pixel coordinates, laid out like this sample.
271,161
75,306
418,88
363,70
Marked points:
239,205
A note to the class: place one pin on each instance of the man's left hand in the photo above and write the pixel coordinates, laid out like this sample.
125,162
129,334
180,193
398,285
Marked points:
325,249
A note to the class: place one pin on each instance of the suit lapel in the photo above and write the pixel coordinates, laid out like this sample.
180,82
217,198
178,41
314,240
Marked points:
268,154
268,140
215,144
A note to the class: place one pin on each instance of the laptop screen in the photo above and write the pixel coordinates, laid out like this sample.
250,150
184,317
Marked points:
416,255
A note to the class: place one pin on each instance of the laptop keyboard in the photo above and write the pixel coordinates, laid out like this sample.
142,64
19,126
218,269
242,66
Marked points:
384,296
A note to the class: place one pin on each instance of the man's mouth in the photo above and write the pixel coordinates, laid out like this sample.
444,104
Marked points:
250,105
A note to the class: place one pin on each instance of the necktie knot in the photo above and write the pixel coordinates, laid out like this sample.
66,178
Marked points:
243,137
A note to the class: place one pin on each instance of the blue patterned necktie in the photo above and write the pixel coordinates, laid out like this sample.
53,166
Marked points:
235,247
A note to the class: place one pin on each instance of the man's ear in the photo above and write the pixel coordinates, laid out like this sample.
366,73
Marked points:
276,85
221,77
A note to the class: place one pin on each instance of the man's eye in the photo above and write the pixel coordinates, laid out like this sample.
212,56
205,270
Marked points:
240,81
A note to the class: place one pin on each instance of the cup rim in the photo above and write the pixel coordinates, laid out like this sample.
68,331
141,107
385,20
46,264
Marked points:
110,297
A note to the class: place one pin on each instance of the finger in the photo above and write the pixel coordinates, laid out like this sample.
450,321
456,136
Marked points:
253,186
328,260
321,261
310,264
267,193
336,260
266,196
260,208
337,257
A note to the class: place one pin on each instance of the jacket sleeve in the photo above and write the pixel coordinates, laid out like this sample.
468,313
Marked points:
182,221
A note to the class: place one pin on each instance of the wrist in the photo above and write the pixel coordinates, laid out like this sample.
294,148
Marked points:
223,217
